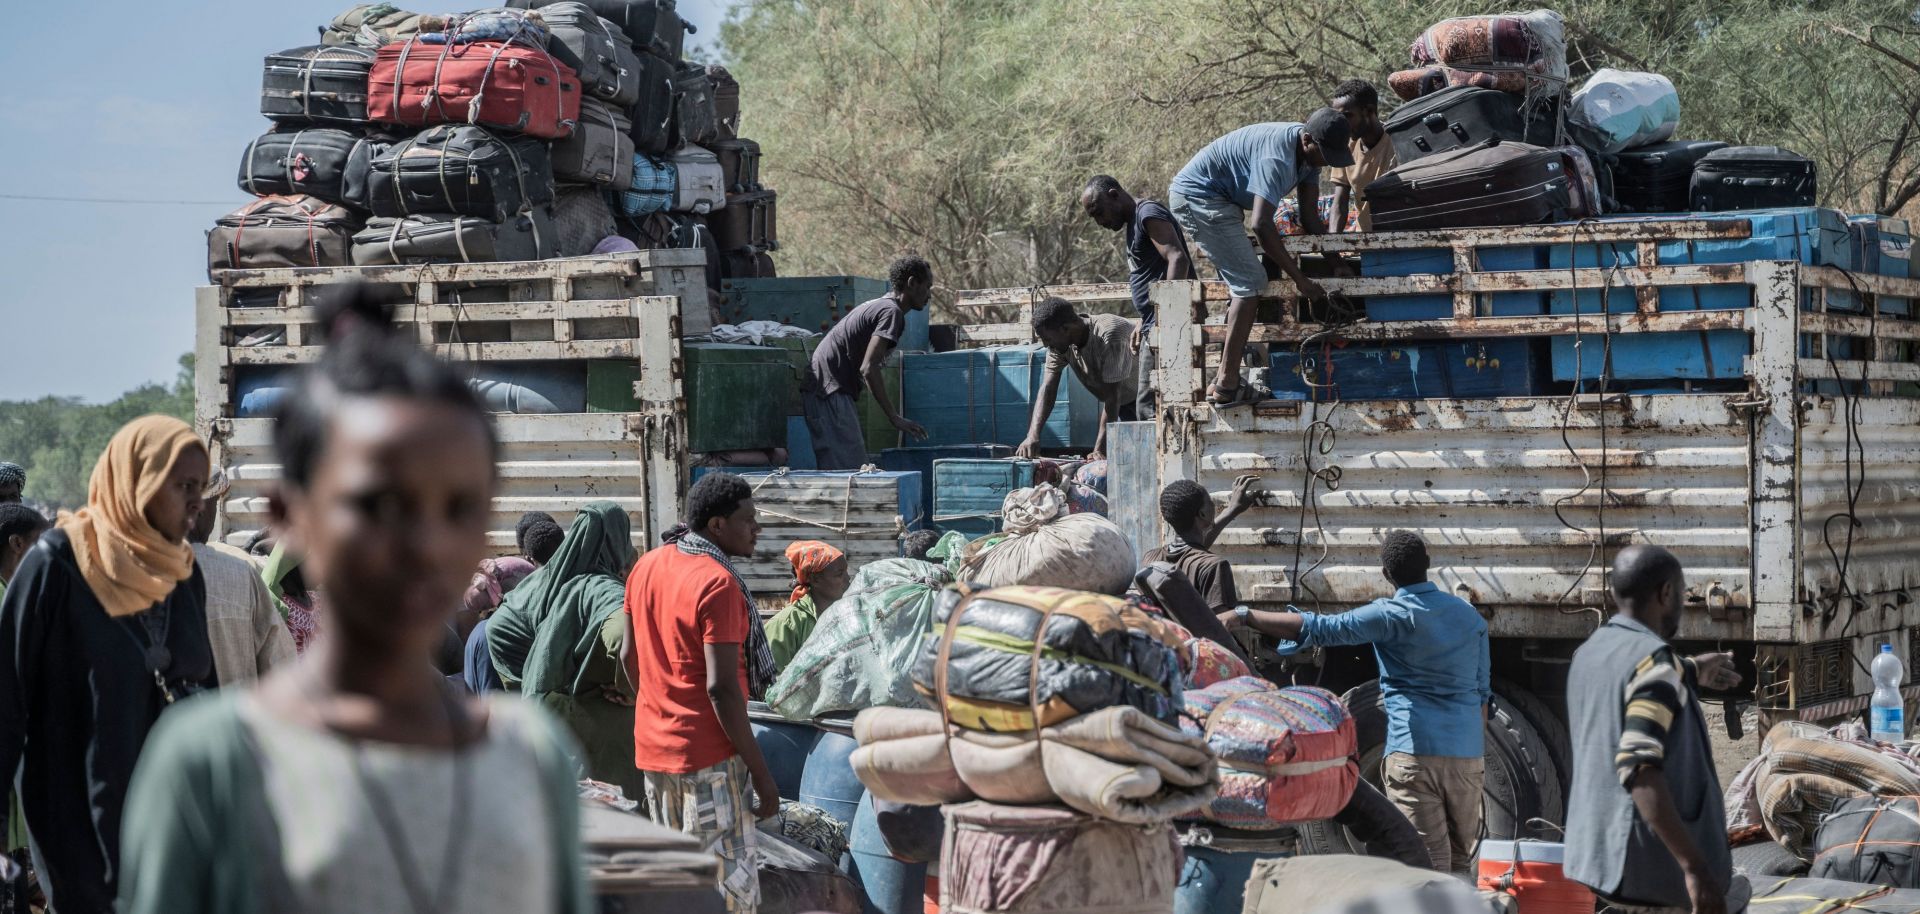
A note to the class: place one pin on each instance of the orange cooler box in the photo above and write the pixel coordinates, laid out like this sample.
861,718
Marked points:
1532,872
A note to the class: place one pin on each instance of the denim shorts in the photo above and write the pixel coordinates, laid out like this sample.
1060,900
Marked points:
1220,228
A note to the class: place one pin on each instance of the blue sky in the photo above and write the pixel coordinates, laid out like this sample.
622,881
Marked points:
124,100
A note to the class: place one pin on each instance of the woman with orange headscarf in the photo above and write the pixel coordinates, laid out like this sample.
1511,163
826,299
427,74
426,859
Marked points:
103,626
820,577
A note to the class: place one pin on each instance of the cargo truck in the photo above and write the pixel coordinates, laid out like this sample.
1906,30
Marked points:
1786,478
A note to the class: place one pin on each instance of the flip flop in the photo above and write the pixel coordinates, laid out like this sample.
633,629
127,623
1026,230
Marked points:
1242,395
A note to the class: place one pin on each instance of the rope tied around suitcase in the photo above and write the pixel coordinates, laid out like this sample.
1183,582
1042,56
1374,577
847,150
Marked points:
846,501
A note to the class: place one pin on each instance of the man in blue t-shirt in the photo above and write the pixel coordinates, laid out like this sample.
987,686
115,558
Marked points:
1156,250
853,356
1250,170
1435,670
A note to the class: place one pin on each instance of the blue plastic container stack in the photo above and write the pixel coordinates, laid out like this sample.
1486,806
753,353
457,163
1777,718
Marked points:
921,460
1464,369
985,396
1808,235
1438,306
968,493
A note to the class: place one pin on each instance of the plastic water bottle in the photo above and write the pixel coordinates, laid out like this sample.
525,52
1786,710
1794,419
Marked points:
1887,713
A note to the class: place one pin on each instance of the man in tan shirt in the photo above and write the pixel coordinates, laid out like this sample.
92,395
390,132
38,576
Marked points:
247,634
1372,152
1100,351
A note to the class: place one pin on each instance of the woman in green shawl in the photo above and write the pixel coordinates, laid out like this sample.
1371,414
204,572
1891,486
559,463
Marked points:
556,639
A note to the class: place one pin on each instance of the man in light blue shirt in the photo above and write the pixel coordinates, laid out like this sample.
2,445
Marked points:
1434,675
1249,171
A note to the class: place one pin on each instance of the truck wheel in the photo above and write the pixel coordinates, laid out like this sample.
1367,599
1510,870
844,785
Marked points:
1371,825
1522,781
1551,726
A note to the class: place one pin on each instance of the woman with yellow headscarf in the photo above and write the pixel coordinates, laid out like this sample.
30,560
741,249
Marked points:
103,626
820,576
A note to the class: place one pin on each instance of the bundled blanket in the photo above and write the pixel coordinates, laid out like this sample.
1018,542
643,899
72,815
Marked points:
1287,755
1804,771
1117,764
1002,657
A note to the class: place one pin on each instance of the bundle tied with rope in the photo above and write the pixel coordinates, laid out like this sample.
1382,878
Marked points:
1042,695
1043,545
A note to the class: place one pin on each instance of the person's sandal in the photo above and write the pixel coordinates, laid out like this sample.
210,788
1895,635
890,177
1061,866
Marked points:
1243,395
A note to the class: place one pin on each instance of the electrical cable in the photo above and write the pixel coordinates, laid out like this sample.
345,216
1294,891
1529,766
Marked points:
1851,444
1596,553
117,201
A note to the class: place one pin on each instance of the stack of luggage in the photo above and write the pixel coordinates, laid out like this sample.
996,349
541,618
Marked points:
542,129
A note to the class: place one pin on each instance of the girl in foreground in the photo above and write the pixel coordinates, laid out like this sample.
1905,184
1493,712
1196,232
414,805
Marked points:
357,779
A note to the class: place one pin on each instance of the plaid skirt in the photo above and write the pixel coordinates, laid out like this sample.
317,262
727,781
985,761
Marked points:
714,805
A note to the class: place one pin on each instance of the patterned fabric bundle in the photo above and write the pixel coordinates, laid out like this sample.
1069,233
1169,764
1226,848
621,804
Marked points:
1286,216
809,826
506,25
1420,81
1090,651
1203,661
1808,770
1523,54
1086,500
1286,755
1093,474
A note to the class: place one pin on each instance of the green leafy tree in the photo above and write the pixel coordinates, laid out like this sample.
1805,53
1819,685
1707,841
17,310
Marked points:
58,439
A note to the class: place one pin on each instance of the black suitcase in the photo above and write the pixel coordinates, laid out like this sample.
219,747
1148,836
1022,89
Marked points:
695,120
1465,116
726,101
1751,177
325,162
597,50
453,239
1495,183
653,114
747,263
747,221
598,151
457,169
316,85
653,26
740,162
1657,178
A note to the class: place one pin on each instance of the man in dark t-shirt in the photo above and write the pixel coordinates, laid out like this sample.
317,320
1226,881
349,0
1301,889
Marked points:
1187,507
851,357
1156,250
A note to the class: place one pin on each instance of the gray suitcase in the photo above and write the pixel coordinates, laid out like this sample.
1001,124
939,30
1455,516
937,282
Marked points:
282,231
598,151
453,239
597,50
316,85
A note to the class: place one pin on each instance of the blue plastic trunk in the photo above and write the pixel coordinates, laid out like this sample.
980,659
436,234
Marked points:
1462,369
1808,235
968,493
921,460
985,396
1439,261
1883,246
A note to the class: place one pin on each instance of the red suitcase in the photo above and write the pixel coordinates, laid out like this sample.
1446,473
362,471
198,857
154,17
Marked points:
506,86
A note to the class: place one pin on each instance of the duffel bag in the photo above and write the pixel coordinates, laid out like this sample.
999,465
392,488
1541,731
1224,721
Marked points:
726,101
1090,651
460,170
599,151
502,24
699,183
650,187
316,85
1874,840
1496,183
376,25
486,83
598,51
581,220
652,114
1621,109
283,231
325,162
1286,755
453,239
1044,859
695,119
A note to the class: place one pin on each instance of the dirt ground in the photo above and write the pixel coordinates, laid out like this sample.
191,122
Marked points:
1730,756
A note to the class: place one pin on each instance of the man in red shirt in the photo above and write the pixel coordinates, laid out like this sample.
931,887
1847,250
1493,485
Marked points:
695,651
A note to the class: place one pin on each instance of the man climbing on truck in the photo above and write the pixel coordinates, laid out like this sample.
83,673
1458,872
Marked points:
1436,677
854,355
1100,351
1156,250
1250,170
1187,507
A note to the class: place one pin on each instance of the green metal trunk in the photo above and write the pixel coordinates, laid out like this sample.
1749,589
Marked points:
737,396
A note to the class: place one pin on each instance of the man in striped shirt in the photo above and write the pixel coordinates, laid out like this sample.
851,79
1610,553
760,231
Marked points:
1645,825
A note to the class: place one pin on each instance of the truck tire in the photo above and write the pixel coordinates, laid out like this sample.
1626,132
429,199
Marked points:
1370,824
1522,782
1550,725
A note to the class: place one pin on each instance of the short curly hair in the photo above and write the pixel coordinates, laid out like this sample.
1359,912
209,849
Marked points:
715,495
917,544
543,539
907,269
1053,312
1183,502
1404,557
1360,91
